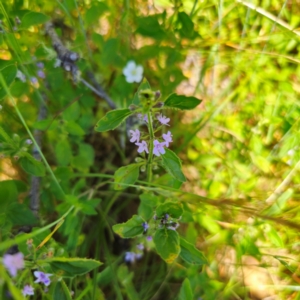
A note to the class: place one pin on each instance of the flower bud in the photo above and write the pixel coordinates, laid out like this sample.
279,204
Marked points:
143,168
158,105
157,95
132,107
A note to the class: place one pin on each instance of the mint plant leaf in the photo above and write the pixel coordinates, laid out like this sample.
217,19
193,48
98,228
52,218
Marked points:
167,244
131,228
181,102
127,175
172,164
191,254
113,119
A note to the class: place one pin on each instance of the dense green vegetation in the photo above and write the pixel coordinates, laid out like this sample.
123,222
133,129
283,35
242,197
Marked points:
149,150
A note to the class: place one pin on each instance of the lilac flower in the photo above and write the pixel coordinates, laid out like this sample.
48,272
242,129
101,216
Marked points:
41,74
168,138
142,147
28,142
149,238
13,263
40,65
42,277
28,290
145,226
135,135
163,120
140,246
129,257
167,216
158,148
33,80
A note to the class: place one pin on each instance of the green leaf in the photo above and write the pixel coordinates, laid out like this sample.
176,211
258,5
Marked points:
126,175
33,18
32,166
73,128
63,152
181,102
186,292
191,254
143,86
20,214
167,244
61,291
187,25
175,210
71,267
113,119
93,14
8,193
146,207
9,73
172,164
149,26
131,228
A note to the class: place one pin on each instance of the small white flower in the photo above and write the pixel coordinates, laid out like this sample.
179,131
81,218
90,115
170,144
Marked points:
21,76
133,72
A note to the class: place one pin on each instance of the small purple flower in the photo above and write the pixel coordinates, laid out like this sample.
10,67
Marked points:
40,65
129,257
158,148
163,120
149,238
168,138
42,277
28,142
142,147
140,246
145,226
33,80
13,263
41,74
167,216
28,290
135,135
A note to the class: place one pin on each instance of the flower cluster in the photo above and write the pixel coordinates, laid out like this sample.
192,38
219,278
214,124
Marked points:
15,262
158,145
166,221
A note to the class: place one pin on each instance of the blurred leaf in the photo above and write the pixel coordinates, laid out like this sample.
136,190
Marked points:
126,175
143,86
33,18
113,119
149,26
169,181
186,292
181,102
9,73
187,26
191,254
61,291
63,152
172,164
167,244
131,228
93,14
8,193
32,166
149,199
73,128
175,210
126,277
71,267
20,214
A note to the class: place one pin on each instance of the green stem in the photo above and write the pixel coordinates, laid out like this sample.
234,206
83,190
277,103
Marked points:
150,156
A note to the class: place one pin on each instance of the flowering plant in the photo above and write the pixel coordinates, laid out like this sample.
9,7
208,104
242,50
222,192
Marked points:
153,148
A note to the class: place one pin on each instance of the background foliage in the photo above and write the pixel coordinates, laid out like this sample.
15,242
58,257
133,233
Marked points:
239,147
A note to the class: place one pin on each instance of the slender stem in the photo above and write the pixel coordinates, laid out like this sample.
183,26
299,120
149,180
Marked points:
150,156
